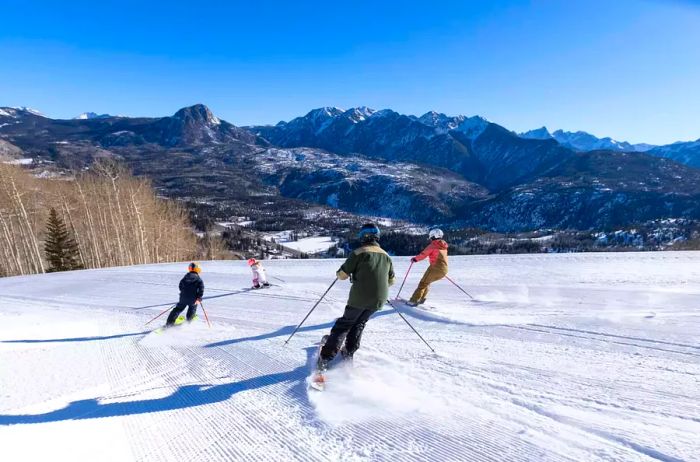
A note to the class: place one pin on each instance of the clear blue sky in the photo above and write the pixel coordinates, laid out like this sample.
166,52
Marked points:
629,69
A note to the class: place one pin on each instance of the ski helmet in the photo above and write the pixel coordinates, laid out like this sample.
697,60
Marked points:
435,233
193,267
252,261
369,232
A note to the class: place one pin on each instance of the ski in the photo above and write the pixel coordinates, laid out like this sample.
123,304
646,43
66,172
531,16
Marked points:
179,321
318,380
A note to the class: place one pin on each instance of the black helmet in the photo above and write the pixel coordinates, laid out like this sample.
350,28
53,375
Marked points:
369,233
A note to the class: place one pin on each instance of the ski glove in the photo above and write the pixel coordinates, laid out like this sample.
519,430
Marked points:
414,260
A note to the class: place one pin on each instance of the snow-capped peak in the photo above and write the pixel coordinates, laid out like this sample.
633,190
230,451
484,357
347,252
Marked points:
323,113
22,109
91,115
643,147
584,141
358,114
537,134
432,118
473,126
441,122
383,113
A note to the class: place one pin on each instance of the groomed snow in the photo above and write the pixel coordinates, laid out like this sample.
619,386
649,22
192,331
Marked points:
578,357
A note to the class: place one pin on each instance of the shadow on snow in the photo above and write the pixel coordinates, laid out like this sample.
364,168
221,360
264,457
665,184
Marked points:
76,339
185,396
286,330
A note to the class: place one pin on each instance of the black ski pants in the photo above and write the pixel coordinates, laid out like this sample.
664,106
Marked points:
348,328
191,311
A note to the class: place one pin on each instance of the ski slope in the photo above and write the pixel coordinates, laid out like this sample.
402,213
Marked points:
577,357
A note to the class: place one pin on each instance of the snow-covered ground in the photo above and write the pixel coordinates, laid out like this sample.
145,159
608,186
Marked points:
311,245
579,357
19,161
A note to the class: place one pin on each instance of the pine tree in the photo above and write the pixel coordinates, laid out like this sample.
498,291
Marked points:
61,249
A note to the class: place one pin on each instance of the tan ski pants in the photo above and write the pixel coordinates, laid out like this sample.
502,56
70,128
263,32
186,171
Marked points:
432,274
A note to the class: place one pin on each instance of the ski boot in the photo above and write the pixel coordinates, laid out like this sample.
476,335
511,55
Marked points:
321,365
421,301
194,318
266,285
412,303
257,286
346,355
318,380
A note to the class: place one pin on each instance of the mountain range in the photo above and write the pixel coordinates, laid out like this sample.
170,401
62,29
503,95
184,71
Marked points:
583,141
681,151
460,171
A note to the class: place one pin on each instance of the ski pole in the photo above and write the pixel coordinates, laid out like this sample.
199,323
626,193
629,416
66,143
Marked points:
404,278
161,314
409,325
312,309
457,285
205,313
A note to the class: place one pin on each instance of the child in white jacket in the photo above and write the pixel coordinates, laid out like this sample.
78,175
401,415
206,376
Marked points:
259,276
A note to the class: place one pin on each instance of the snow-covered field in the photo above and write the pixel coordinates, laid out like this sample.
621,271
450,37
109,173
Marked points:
579,357
19,161
311,244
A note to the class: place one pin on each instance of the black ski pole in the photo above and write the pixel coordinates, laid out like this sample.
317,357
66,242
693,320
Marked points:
409,325
457,285
312,309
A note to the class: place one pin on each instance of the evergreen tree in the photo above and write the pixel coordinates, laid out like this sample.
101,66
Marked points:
61,249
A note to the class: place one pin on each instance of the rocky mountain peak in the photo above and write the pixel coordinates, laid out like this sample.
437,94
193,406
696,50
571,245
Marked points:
196,115
358,114
322,114
541,133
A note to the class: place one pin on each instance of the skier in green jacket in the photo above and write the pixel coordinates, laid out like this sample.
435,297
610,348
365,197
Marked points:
371,272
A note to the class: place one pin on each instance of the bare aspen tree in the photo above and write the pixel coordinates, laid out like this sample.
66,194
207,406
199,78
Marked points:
96,261
31,240
10,252
19,200
115,219
139,222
